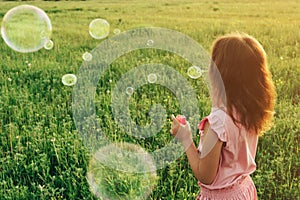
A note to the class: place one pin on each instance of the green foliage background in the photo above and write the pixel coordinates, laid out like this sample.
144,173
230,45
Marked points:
41,153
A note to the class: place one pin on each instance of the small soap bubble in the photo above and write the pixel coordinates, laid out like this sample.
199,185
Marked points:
99,28
129,90
152,78
87,56
49,45
69,79
117,31
26,28
194,72
150,42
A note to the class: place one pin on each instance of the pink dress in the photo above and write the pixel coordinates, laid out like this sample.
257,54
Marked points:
236,162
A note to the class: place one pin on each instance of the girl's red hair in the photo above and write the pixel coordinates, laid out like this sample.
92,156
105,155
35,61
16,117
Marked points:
249,89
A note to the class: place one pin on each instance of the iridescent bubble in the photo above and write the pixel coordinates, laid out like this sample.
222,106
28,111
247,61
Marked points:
152,78
117,31
121,171
129,90
69,79
26,28
150,42
99,28
194,72
87,56
49,45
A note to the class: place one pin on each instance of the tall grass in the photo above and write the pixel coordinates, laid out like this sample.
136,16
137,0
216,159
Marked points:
41,152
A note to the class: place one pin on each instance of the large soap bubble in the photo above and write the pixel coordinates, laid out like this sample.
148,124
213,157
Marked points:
26,28
122,171
99,28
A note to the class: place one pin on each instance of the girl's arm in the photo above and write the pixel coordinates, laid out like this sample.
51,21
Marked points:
204,168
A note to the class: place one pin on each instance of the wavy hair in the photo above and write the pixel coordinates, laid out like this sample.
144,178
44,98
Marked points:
249,93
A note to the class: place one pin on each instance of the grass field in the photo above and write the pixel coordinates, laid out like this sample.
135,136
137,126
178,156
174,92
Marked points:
42,155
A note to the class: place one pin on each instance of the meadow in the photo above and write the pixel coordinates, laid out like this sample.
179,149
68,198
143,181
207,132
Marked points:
42,153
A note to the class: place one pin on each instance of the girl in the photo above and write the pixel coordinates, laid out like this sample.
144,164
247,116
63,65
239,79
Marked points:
243,98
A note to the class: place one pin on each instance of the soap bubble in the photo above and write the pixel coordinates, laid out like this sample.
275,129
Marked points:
129,90
117,31
99,28
49,45
69,79
152,78
121,171
26,28
87,56
194,72
150,42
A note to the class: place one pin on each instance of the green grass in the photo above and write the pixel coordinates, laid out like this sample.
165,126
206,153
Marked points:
41,152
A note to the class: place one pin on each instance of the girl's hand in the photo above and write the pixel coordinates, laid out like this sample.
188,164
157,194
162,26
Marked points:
180,131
